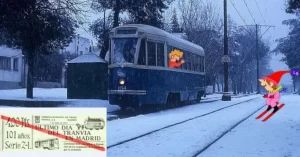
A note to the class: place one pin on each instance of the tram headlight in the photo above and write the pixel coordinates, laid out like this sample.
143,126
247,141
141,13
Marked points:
122,81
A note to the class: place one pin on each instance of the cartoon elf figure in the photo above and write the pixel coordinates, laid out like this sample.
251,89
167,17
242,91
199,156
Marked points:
272,98
175,56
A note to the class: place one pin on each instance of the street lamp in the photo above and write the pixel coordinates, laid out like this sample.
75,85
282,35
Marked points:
225,59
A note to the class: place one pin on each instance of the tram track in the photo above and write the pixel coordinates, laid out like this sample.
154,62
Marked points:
226,132
122,115
178,123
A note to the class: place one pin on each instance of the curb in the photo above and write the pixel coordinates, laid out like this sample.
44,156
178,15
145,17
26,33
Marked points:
31,103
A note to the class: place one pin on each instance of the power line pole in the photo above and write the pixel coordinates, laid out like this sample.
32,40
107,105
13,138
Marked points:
257,54
226,95
257,60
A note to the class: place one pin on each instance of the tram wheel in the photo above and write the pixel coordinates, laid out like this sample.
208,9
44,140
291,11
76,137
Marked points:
198,97
173,100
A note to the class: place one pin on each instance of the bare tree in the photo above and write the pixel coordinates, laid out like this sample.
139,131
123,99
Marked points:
202,24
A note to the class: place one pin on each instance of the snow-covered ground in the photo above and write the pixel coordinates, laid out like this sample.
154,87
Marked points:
55,94
58,94
123,129
280,136
38,93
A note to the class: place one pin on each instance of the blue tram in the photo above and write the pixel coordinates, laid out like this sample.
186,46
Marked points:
140,73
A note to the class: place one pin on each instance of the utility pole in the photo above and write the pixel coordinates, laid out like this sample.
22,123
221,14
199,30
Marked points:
257,60
225,59
257,54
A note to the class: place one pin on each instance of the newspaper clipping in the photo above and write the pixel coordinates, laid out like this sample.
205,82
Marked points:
53,131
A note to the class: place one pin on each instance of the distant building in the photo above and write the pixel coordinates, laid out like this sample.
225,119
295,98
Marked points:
96,50
79,46
12,71
12,64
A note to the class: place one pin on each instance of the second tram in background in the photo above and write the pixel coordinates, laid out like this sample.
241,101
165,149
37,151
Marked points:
139,70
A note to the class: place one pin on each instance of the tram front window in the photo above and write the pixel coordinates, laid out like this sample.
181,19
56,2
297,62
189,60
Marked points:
124,50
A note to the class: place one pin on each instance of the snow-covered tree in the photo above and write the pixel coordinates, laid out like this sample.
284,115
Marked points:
292,6
289,46
202,25
38,26
174,23
148,12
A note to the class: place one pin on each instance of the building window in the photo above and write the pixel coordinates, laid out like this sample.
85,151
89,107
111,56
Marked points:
5,63
151,53
16,64
160,55
142,53
81,52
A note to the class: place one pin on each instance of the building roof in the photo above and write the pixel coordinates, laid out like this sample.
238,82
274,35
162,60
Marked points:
88,58
9,52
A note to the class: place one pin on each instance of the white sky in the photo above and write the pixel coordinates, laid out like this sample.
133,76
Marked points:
272,14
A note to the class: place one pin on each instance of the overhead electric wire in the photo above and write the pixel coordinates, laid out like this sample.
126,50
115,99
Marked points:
240,16
238,12
260,12
249,11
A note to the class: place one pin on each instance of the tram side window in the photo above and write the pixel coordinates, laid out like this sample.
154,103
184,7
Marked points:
169,49
203,63
151,53
188,60
198,64
193,59
142,53
185,58
180,67
160,55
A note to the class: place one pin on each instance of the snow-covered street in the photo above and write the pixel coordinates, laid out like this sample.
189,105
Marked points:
211,128
278,137
184,132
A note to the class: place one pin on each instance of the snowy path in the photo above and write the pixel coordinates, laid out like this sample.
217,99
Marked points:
184,140
124,129
278,137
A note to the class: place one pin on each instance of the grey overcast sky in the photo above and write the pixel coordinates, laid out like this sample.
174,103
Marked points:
272,14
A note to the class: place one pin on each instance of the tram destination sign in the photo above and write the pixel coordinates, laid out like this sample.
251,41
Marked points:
53,129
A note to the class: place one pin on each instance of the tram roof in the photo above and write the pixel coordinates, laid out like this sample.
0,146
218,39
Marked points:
156,31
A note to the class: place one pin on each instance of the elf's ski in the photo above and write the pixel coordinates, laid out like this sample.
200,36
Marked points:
262,114
271,114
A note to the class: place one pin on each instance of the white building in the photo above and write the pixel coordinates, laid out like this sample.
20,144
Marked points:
12,64
12,73
78,46
96,50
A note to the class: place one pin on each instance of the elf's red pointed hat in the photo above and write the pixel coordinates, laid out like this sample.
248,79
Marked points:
276,76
